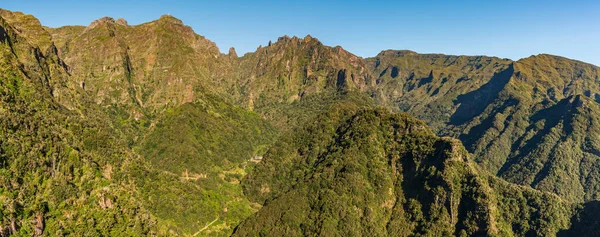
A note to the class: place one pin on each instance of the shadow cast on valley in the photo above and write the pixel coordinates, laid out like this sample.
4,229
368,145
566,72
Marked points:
474,103
585,223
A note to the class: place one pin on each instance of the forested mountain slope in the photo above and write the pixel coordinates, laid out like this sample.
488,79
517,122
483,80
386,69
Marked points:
68,166
118,129
533,121
60,172
360,172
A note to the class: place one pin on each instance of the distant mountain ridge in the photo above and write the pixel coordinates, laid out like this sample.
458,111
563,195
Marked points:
501,110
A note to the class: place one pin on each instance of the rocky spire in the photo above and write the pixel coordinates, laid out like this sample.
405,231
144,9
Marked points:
232,53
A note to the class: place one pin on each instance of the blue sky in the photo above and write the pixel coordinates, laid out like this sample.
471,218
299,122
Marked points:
504,28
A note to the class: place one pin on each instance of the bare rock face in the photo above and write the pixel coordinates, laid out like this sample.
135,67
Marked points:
39,224
122,22
308,38
102,20
232,53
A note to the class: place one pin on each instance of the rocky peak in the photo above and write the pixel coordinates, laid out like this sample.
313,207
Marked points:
18,17
308,38
554,61
232,53
100,21
170,19
283,38
390,52
122,22
294,41
28,27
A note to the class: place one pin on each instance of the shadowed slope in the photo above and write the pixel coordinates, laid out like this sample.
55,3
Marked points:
515,117
442,90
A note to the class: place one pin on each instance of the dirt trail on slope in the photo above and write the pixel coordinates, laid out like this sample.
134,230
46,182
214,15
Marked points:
209,224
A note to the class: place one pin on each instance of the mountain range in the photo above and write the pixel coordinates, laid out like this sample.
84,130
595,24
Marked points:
134,130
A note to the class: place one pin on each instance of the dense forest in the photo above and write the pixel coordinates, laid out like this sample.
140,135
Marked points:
114,129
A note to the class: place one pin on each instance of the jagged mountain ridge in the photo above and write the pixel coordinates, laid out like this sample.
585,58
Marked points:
147,66
178,58
291,68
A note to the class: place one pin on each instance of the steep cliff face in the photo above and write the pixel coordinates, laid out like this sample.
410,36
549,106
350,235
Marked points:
56,165
28,27
29,50
144,67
